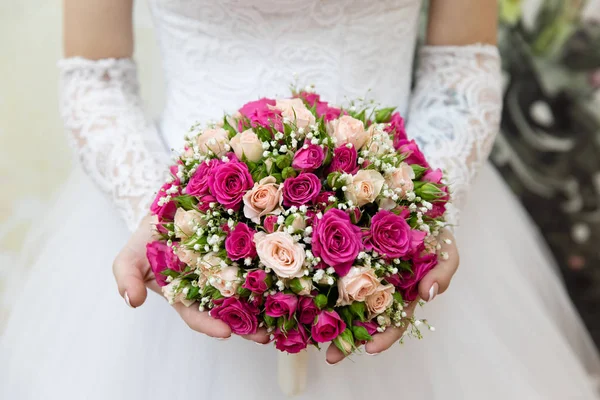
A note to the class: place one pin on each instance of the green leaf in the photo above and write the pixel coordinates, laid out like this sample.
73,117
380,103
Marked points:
397,297
361,333
170,272
384,115
231,131
418,170
278,177
358,309
296,285
345,342
346,315
269,321
217,295
332,180
428,191
193,293
283,161
186,202
321,301
243,292
259,173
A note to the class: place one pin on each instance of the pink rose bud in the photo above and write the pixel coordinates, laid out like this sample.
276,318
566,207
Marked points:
301,190
269,223
292,341
198,183
308,159
327,327
344,160
409,284
370,326
281,304
257,281
389,235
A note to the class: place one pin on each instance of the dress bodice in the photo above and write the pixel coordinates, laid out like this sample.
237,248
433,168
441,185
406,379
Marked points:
219,54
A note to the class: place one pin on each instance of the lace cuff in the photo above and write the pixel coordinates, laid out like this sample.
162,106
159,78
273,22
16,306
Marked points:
454,112
119,148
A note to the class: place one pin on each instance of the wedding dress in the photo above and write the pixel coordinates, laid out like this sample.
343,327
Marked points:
505,329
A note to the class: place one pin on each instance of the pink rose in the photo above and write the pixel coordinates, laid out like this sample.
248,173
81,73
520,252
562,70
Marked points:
433,176
439,205
327,327
301,190
308,158
261,113
215,140
409,282
415,156
247,144
281,304
336,240
295,110
269,223
240,242
365,187
229,183
264,198
307,310
349,130
380,300
239,315
279,252
397,129
204,202
226,281
164,210
322,108
357,285
389,235
161,257
344,160
256,281
292,341
198,183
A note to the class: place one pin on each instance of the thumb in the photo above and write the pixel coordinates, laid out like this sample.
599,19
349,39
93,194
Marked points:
128,270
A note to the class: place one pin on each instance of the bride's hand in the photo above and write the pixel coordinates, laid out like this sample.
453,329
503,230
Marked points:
434,283
133,274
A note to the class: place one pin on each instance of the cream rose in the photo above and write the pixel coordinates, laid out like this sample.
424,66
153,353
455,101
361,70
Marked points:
357,285
190,257
349,130
247,144
379,301
264,198
186,221
279,252
173,296
214,140
401,178
210,262
226,281
378,142
365,187
295,110
307,287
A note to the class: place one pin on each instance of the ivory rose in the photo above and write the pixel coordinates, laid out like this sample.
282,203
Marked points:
169,291
186,221
215,140
264,198
295,110
365,187
401,178
226,281
357,285
380,300
349,130
247,144
279,252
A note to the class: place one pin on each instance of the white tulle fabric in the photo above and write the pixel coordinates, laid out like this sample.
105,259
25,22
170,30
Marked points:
454,112
505,329
118,146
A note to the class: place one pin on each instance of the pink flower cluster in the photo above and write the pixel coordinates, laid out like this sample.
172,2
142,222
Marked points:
313,221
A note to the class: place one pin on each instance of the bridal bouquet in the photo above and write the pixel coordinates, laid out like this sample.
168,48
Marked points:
314,222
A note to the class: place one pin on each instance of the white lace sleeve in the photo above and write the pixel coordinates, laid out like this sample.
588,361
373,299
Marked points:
454,112
119,148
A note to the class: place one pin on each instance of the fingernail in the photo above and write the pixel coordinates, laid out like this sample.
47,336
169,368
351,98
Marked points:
126,297
371,354
223,338
328,363
259,343
433,291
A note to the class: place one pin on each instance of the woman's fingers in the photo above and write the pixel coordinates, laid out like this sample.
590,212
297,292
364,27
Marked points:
130,276
438,279
261,336
383,341
201,322
334,355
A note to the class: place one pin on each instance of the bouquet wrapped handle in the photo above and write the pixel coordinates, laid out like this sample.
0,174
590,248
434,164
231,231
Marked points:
292,371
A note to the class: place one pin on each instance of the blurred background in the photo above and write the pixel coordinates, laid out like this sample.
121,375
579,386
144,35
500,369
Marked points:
548,150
